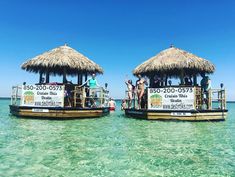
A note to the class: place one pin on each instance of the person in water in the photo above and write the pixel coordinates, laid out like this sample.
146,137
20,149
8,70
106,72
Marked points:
123,105
112,104
130,89
140,89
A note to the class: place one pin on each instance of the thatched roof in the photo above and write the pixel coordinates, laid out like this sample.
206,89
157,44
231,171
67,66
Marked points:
59,58
172,61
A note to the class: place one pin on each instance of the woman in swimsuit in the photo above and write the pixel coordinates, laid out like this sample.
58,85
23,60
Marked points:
130,88
92,85
140,89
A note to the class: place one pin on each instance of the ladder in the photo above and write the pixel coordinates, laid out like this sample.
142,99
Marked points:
79,97
198,98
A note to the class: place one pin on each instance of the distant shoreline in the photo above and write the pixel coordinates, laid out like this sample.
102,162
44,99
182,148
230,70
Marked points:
8,98
5,98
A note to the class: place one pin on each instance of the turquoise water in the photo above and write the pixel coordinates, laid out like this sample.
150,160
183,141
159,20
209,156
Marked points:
115,146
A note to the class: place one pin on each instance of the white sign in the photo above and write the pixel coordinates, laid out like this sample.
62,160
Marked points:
40,110
181,114
171,98
42,95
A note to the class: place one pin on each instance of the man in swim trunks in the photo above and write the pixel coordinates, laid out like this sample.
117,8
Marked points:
112,105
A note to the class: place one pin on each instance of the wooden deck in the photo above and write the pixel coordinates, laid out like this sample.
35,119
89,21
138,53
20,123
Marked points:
58,113
194,115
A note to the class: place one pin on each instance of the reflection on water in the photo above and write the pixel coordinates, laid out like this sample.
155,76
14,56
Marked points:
116,146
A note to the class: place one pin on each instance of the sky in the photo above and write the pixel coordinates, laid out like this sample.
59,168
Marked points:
116,34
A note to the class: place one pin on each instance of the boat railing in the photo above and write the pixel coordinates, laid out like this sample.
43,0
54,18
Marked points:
131,103
217,99
90,97
198,102
70,95
213,99
16,95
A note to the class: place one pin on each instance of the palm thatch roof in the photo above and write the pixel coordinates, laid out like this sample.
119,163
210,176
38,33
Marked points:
172,62
58,59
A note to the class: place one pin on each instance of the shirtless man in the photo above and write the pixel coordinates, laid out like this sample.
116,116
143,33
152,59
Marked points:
112,105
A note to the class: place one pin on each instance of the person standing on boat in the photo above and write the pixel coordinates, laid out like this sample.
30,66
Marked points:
205,86
155,82
130,90
140,89
93,85
188,81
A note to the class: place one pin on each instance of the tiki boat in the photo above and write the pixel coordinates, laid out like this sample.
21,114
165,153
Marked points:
63,100
186,100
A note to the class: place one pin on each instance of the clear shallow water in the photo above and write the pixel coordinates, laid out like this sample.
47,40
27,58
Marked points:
115,146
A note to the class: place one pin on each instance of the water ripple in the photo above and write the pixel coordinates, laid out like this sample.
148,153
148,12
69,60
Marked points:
115,146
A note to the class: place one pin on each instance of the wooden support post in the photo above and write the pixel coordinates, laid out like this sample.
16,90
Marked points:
166,78
182,77
194,80
40,77
47,77
101,96
81,79
78,79
195,98
225,100
162,82
85,77
83,97
16,96
64,76
147,100
209,99
151,80
221,99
